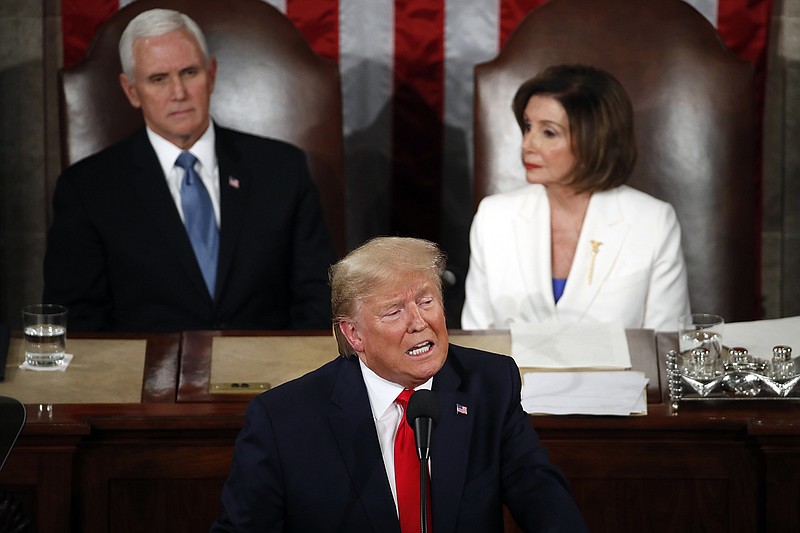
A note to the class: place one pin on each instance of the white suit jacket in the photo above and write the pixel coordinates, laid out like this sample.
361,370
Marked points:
638,274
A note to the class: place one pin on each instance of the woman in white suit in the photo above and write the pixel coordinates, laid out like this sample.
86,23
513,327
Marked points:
576,244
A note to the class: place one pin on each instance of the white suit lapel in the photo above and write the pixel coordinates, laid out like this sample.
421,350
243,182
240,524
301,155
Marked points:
604,231
531,225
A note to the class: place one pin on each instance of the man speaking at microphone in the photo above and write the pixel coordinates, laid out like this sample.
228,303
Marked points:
330,451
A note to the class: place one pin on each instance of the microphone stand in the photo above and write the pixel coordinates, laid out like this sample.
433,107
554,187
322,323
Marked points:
422,415
423,496
423,426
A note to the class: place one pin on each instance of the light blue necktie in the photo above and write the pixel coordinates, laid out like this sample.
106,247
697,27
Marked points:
198,217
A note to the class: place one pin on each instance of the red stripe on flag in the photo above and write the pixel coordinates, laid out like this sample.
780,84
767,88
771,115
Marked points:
319,23
744,26
79,22
417,117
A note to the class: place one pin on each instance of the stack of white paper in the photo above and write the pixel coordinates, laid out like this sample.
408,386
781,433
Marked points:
570,346
589,393
760,336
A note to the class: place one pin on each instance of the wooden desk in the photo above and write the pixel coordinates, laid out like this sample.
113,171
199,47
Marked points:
159,465
102,371
64,463
280,356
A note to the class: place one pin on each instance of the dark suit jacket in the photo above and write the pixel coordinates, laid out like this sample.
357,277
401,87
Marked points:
308,458
119,258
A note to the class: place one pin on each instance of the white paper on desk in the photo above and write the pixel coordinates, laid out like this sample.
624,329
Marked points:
561,345
761,335
587,393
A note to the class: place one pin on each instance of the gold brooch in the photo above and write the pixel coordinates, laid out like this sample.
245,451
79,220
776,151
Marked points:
595,249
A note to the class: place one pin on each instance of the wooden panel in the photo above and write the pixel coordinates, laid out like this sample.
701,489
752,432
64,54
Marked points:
174,505
780,443
150,486
39,473
682,505
783,488
688,483
161,368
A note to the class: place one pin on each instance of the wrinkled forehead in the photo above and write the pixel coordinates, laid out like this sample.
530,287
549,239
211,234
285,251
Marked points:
180,39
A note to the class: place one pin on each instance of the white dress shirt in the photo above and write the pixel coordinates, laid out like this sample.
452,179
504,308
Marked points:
206,166
387,416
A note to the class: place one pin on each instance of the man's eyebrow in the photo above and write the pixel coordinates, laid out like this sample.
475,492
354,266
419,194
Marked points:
389,304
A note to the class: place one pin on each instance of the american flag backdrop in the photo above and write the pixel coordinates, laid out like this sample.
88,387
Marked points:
406,69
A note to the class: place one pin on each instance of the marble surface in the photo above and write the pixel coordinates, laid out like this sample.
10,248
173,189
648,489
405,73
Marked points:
101,371
258,361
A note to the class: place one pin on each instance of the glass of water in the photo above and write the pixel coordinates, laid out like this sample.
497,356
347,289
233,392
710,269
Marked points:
702,330
45,329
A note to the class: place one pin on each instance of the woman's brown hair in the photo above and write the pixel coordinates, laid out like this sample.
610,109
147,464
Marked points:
600,121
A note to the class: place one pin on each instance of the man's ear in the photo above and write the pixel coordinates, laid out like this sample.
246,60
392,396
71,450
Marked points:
212,73
130,91
350,332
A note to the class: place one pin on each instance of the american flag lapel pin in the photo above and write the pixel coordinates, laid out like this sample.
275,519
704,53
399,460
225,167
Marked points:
461,409
233,182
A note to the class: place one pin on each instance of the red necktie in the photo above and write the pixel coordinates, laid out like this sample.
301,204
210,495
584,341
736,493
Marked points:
406,472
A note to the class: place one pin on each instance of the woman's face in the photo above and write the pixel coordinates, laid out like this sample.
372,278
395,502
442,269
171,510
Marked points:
546,142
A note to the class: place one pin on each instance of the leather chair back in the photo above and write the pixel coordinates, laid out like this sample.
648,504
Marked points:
12,419
269,82
694,105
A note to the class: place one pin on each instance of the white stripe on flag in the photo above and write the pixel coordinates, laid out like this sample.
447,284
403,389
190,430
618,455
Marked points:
707,8
472,30
471,37
280,5
366,49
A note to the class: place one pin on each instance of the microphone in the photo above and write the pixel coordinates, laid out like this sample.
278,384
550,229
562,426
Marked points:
422,415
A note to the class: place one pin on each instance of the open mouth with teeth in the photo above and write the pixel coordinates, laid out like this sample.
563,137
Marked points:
420,348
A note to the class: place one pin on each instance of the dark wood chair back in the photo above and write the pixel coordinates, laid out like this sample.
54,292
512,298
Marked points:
269,82
12,418
694,106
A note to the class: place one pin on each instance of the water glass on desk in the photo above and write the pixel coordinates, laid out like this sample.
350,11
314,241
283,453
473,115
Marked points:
702,330
45,329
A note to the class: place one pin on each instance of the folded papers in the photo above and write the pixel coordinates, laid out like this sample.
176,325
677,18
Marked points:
761,335
590,393
601,346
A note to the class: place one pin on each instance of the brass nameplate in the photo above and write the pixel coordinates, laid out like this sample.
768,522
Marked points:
239,388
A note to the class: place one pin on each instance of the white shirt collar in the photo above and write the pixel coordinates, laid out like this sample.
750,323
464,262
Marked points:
382,393
203,149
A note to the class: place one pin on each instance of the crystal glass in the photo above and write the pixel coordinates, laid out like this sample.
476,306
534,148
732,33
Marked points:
702,330
45,329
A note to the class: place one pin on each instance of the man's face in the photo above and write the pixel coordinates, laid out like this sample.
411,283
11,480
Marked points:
172,85
401,334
